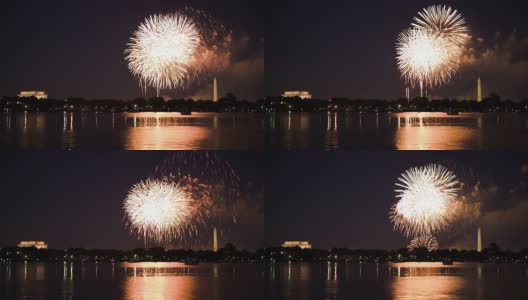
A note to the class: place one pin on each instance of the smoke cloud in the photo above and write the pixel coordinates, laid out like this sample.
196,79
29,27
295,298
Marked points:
500,211
502,64
242,74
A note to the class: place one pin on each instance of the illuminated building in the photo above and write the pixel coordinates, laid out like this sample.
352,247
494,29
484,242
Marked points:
36,94
300,244
300,94
36,244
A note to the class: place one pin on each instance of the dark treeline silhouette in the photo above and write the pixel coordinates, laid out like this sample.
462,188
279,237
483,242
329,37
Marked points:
493,103
230,253
227,103
493,253
227,254
230,103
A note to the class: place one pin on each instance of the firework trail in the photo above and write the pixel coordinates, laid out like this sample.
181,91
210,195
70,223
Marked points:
426,195
158,210
175,51
425,241
429,53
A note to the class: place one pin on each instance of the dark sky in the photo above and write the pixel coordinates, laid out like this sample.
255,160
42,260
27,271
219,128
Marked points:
342,199
346,48
74,199
75,48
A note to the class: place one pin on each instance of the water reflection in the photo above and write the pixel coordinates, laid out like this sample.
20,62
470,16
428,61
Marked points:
325,130
158,281
437,131
436,138
423,287
173,138
423,280
293,280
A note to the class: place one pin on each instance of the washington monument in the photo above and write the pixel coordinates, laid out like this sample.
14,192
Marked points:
479,90
215,90
479,240
215,240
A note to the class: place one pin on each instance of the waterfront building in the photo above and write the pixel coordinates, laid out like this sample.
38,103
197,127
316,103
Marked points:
300,94
36,244
300,244
36,94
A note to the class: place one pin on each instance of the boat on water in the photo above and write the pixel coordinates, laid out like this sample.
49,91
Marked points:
447,262
452,113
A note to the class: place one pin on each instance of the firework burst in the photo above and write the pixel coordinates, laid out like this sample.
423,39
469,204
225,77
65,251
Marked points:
444,22
426,195
158,210
161,49
186,197
429,53
170,52
426,241
424,59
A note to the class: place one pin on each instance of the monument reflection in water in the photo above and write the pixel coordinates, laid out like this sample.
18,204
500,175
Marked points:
325,280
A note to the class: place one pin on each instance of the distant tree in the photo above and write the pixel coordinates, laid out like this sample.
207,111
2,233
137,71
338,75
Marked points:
230,97
229,247
494,247
157,252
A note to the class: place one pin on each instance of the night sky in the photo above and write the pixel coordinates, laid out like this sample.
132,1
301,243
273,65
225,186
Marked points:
332,199
74,199
346,48
342,199
75,48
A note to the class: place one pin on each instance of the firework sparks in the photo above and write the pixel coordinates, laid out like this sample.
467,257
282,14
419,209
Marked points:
428,54
212,182
186,197
160,51
426,241
424,59
158,210
445,22
178,51
426,195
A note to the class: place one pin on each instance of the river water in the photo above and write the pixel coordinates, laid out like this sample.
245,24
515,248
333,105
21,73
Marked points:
263,281
255,131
